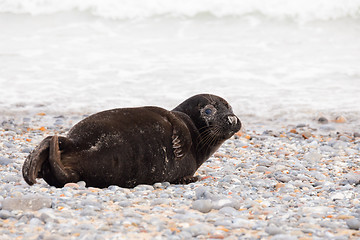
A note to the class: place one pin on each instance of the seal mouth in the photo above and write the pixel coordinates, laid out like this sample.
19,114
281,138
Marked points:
229,125
234,122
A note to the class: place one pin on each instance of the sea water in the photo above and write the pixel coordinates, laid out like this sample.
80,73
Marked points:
273,60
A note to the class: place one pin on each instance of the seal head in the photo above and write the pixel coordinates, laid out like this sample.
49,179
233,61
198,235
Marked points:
214,119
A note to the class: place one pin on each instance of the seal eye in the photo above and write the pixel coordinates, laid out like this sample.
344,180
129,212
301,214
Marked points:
208,111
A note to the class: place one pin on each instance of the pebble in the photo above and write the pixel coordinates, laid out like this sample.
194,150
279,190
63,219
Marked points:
353,223
337,196
32,203
5,161
290,182
226,202
323,120
229,211
72,185
5,214
352,178
273,230
203,206
340,119
313,157
199,229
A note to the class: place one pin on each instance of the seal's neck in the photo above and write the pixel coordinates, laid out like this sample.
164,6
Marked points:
205,150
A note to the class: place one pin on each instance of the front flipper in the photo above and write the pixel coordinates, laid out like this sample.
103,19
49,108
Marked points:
178,145
181,137
187,180
61,174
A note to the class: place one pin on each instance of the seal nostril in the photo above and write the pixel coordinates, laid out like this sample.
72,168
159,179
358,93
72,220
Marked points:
232,119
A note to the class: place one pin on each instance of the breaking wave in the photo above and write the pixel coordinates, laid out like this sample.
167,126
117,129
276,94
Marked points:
296,10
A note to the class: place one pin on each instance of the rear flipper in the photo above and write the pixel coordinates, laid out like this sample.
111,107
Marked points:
45,162
32,165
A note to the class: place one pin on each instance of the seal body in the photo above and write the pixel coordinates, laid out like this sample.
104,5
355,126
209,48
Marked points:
131,146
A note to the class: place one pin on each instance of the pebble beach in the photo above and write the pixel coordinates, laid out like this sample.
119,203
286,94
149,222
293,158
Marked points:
289,69
291,182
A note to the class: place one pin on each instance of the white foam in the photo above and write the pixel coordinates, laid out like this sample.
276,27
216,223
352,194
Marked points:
299,10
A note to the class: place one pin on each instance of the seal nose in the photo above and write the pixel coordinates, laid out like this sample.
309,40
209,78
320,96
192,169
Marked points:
232,119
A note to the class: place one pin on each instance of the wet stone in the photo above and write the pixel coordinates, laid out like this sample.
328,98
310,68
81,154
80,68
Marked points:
323,120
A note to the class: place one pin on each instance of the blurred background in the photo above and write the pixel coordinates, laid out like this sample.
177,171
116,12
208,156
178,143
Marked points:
275,61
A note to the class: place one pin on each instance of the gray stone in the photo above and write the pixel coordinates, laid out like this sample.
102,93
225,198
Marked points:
353,223
203,206
144,188
223,222
242,223
312,156
9,145
337,196
5,161
159,201
199,229
284,237
352,178
185,235
265,162
32,203
273,230
344,138
323,120
228,211
26,150
226,202
157,185
88,212
81,184
283,178
261,169
5,214
35,222
203,193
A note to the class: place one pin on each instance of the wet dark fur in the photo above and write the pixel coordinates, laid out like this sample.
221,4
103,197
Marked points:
132,146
